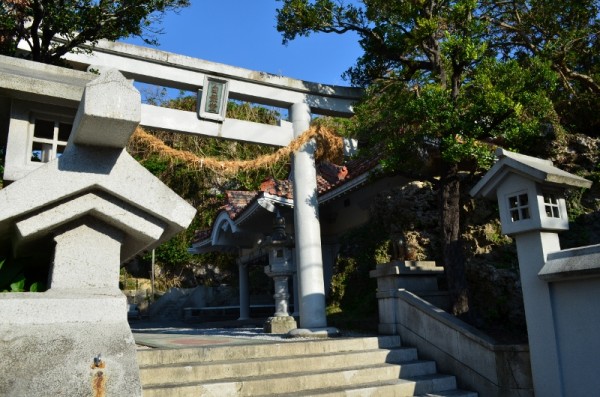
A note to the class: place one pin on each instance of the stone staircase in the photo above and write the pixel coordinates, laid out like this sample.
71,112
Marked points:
368,366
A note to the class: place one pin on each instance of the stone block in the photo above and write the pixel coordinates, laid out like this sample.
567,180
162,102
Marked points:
58,360
141,228
280,325
109,112
63,307
87,256
414,276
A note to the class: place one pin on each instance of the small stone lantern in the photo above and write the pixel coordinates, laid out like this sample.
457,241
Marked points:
281,267
530,193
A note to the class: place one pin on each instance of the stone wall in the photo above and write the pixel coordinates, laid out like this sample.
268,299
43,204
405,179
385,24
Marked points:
479,362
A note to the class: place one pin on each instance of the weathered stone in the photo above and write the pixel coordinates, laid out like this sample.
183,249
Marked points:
102,208
280,325
58,359
109,112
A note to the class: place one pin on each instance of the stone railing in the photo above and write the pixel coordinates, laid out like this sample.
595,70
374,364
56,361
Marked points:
478,362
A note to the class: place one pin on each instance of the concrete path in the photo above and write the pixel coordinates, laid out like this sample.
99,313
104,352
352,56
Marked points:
173,335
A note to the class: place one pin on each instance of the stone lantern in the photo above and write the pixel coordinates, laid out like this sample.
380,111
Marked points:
281,267
96,208
530,194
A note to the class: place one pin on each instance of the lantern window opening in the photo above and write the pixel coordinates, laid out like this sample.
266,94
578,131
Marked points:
551,205
48,138
518,206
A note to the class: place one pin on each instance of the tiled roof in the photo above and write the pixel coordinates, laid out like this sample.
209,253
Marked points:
329,177
237,200
281,188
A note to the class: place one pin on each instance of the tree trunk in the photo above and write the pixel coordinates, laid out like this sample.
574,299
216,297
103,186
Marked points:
454,263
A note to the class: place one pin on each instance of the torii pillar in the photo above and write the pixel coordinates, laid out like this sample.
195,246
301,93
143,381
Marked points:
313,320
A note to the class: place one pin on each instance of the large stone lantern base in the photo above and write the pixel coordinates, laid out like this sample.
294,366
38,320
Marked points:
67,343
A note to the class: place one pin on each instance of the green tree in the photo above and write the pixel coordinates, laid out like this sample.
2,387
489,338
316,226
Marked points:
52,28
567,35
435,91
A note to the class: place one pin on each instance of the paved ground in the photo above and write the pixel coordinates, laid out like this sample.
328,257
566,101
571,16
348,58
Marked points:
180,334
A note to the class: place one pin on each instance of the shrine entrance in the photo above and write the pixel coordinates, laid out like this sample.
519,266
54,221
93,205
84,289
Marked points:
216,84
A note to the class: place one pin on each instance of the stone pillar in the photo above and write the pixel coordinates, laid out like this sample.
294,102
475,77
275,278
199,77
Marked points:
281,295
418,277
307,230
532,250
281,322
296,313
244,292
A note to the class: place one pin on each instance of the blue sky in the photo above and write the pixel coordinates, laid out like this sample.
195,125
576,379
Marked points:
242,33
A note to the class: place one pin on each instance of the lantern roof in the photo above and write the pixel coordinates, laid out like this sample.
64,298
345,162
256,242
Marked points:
538,170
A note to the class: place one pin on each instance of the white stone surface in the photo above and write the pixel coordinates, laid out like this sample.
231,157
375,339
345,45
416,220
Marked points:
109,112
481,364
87,255
309,259
79,306
532,250
187,122
571,264
577,322
58,360
45,83
141,229
535,169
182,72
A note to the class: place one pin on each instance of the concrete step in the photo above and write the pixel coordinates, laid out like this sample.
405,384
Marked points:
268,349
441,385
451,393
372,366
305,382
201,371
430,386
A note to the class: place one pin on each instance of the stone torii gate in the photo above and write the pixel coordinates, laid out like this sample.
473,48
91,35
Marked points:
300,98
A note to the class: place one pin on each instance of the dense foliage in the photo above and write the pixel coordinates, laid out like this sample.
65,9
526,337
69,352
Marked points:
20,276
447,81
52,28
